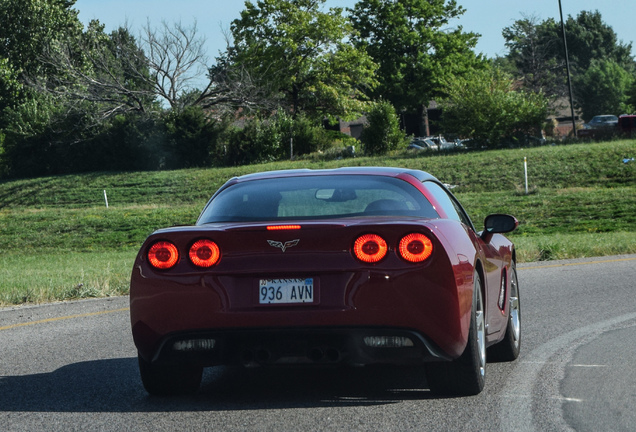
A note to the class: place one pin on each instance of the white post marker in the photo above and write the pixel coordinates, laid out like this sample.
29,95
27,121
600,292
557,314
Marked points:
525,171
105,198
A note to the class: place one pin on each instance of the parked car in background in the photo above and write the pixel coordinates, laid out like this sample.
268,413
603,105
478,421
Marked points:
627,124
443,144
422,143
436,142
603,121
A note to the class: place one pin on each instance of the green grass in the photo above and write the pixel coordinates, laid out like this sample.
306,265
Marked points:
567,246
50,276
59,241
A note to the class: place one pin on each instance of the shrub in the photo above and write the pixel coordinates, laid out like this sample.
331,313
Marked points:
267,140
132,142
487,107
191,138
383,133
257,142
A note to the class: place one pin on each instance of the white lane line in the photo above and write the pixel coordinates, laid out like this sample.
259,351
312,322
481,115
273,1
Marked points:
516,412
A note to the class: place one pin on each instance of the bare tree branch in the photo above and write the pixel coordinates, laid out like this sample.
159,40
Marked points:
176,56
168,64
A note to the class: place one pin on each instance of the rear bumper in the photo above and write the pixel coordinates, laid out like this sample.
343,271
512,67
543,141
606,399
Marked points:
324,346
430,302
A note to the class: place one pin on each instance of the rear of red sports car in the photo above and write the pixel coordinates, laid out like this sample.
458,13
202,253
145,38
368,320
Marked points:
304,270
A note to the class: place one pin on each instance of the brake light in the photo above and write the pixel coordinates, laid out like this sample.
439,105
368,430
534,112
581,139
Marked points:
163,255
282,227
204,253
415,247
370,248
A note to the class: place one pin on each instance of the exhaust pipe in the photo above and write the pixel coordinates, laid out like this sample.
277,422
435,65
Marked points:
316,354
263,356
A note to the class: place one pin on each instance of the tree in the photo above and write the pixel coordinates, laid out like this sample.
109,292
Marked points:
590,38
537,51
127,75
604,88
487,107
28,26
10,86
114,73
533,44
531,48
302,55
383,133
177,59
415,51
30,130
191,138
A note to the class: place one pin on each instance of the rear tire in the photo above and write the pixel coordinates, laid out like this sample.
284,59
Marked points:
509,347
465,376
164,380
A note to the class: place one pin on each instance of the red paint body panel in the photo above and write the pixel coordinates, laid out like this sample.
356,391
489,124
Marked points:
433,299
391,293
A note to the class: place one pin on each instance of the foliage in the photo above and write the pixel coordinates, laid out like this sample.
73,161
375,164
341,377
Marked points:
28,146
271,139
115,75
176,58
604,89
257,142
27,27
536,48
43,140
125,74
487,107
192,136
531,46
10,87
302,56
120,79
589,38
383,133
307,136
53,118
131,142
414,49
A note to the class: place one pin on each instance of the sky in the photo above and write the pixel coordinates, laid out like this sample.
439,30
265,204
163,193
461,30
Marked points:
485,17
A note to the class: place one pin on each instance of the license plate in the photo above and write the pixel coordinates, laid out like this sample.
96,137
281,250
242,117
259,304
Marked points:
286,291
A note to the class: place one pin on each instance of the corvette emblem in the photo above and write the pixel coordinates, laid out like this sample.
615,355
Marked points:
283,246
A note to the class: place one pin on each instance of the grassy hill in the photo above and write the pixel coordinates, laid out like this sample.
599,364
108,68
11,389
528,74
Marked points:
58,240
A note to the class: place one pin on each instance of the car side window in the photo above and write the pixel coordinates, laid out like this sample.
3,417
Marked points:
449,204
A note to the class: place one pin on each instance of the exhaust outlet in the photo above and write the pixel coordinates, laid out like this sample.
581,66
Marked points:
263,356
316,354
333,355
247,357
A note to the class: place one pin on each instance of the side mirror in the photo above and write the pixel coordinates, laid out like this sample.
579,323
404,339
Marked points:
498,224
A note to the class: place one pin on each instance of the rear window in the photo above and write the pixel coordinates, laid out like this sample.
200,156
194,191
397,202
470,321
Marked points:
317,197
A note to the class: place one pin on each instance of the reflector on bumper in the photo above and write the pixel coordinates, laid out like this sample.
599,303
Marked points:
194,345
388,342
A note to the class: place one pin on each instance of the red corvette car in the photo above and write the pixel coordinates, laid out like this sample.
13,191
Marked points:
351,266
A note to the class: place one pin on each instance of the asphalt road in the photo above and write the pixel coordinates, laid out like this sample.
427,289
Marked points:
72,366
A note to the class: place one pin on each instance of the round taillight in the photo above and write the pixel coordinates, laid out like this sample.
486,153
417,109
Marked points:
163,255
204,253
415,247
370,248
